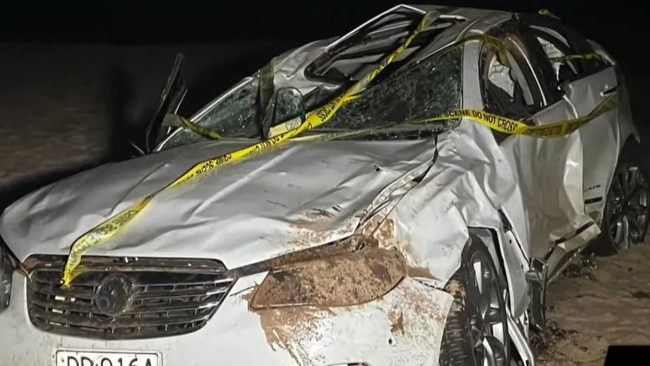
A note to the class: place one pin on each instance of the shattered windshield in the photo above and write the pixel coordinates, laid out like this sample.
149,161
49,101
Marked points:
420,91
411,93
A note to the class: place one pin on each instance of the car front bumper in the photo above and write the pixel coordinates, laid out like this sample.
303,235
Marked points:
402,328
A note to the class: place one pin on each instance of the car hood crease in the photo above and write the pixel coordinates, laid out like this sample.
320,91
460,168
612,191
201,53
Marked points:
294,197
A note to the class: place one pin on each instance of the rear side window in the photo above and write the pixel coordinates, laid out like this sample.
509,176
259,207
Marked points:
570,55
509,86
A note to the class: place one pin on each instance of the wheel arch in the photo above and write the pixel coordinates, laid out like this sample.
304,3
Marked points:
489,238
519,337
630,145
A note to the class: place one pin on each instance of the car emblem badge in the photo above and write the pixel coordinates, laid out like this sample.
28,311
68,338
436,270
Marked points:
113,295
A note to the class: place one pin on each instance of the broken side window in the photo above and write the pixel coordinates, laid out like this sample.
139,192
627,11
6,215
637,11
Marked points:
505,88
553,53
508,89
570,54
234,116
556,48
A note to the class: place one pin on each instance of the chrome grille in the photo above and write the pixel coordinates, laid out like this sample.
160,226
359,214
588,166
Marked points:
156,300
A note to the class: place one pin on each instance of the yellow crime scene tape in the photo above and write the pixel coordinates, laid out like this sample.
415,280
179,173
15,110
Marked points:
515,127
107,229
586,56
178,121
493,121
175,120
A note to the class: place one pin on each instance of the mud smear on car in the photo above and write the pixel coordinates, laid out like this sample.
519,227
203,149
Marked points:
456,289
422,312
315,227
413,270
290,328
385,233
310,290
297,329
334,281
419,272
332,285
397,322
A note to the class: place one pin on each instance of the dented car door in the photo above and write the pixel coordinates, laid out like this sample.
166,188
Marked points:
549,170
588,80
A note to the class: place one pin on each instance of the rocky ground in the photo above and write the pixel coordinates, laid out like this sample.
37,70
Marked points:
61,107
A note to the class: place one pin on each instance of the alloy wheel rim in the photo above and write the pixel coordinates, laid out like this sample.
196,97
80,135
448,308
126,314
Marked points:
487,315
627,208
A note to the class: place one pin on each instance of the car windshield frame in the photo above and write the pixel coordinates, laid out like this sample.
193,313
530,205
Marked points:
415,91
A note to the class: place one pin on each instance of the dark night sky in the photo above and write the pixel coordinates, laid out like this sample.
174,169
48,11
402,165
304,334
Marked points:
146,21
191,20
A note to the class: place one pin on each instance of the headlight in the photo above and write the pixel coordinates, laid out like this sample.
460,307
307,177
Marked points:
342,280
6,271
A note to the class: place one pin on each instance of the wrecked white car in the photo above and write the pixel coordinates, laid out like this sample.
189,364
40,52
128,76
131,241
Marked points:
400,195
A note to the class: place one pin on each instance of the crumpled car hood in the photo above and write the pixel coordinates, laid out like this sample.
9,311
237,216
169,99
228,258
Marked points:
294,197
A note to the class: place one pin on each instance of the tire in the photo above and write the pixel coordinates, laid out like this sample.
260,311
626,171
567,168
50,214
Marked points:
466,326
627,209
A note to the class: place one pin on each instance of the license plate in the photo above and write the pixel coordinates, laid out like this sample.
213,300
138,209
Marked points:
74,358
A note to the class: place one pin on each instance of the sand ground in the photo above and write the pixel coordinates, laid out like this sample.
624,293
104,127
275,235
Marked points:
58,111
597,303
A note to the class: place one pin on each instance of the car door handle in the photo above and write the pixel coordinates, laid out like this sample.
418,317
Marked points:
607,90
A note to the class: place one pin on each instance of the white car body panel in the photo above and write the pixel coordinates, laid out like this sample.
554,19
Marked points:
602,135
271,337
307,194
258,209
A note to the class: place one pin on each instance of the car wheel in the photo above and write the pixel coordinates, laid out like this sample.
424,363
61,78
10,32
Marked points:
627,209
476,332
